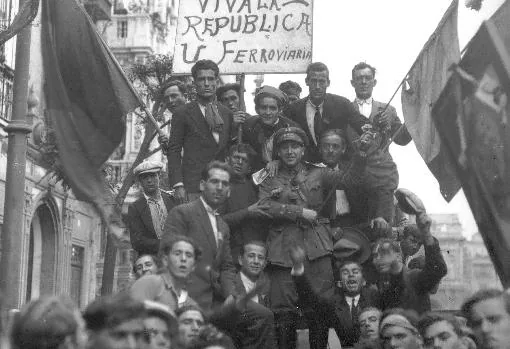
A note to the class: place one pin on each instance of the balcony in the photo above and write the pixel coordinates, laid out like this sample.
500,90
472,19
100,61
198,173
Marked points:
98,9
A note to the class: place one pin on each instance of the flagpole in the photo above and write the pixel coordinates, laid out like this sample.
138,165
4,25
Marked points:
13,225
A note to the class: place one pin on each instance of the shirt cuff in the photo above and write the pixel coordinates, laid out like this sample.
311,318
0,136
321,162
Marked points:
299,271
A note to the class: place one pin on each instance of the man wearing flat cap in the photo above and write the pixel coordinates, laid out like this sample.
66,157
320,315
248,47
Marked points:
258,130
147,215
295,197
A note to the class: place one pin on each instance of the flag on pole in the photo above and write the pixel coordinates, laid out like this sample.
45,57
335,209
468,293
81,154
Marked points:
87,97
425,81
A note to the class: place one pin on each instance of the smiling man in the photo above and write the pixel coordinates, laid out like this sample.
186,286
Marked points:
147,215
144,265
321,111
212,280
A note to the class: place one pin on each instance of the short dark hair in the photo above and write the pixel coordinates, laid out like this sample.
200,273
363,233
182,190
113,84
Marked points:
45,323
317,67
339,264
431,318
288,85
228,87
111,311
362,65
215,164
252,242
204,64
243,148
189,307
169,83
392,244
211,336
154,259
335,132
483,295
168,241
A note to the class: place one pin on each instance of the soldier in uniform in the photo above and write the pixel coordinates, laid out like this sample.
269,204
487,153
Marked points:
295,197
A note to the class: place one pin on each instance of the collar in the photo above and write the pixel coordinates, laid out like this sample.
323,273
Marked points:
364,101
246,280
309,101
208,208
349,298
157,198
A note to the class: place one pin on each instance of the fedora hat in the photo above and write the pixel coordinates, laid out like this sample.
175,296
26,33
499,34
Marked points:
352,244
409,202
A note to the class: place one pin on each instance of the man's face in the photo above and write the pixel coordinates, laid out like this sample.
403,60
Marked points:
410,245
216,189
189,324
363,82
181,260
384,258
173,98
318,83
332,149
206,83
369,324
268,110
291,153
149,182
240,163
441,335
159,336
230,99
128,335
491,324
395,337
351,279
293,94
145,266
253,260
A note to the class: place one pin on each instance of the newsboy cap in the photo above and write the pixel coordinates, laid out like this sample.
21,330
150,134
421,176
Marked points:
294,134
148,167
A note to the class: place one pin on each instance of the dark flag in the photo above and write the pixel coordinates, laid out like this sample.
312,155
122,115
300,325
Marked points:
424,83
87,97
472,116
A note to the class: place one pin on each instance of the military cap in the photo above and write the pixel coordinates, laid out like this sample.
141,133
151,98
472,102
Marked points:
148,167
271,92
290,134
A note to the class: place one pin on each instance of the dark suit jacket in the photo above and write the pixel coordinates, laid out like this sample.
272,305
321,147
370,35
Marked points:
190,135
337,112
263,293
334,311
214,272
143,236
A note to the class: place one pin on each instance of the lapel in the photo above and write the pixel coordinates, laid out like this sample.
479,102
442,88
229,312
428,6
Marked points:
199,120
203,218
224,135
167,199
375,109
145,213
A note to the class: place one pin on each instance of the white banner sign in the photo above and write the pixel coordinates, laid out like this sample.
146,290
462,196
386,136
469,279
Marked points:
245,36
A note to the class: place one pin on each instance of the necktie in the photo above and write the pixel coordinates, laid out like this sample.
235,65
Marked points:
213,119
354,311
317,124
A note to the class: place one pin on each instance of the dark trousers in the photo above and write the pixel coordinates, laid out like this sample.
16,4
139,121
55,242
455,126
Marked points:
255,329
284,298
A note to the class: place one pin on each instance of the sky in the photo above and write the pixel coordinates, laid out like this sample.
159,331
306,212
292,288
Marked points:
388,35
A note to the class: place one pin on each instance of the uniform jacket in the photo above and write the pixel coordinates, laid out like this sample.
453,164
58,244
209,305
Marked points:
254,135
214,272
143,236
292,190
190,136
338,112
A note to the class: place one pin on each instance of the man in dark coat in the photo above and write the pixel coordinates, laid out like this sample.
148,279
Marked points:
200,132
147,215
321,111
199,219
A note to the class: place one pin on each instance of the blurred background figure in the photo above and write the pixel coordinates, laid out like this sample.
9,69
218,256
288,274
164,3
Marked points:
210,338
145,265
49,323
160,325
291,89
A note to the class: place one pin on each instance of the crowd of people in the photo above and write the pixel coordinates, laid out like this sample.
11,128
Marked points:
275,222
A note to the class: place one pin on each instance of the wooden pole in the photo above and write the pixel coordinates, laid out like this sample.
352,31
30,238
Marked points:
242,106
17,129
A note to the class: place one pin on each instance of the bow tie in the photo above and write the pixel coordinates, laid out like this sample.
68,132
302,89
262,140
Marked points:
363,101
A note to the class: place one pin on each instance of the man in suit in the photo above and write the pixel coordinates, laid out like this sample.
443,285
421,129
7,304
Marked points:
200,131
214,272
320,111
256,329
339,309
381,171
147,215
